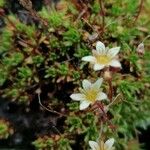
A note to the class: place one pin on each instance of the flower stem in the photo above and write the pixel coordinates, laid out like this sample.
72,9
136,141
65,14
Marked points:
52,111
100,106
139,11
146,38
102,13
110,94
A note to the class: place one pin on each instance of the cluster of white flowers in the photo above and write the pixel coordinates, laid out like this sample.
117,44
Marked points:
91,92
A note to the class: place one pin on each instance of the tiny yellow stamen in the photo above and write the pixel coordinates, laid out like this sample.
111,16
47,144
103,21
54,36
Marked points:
103,59
102,145
91,95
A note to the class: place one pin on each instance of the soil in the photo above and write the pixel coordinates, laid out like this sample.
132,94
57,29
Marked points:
28,123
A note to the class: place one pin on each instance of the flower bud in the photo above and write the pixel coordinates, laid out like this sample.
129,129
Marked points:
140,49
107,75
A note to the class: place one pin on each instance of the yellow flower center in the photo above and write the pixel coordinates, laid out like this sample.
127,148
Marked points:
102,146
103,59
91,95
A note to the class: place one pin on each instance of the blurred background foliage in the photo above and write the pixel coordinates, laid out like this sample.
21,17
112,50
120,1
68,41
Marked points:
41,51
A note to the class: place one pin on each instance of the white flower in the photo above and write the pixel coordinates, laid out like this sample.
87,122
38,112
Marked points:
89,94
103,57
108,145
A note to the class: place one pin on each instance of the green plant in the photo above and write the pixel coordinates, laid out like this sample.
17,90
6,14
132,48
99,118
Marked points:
49,56
2,3
5,129
6,41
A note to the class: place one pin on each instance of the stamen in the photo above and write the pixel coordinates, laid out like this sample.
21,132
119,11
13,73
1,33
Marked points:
91,94
103,59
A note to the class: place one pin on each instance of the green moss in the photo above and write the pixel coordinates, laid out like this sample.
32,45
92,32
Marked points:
39,144
38,60
54,18
34,56
5,129
71,36
3,76
13,60
24,72
64,144
2,3
6,41
95,7
14,93
63,69
51,72
75,123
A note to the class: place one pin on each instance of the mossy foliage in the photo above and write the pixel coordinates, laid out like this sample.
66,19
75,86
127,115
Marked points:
44,54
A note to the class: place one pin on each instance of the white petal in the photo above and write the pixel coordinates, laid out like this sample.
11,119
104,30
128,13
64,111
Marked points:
89,59
109,143
77,96
94,145
113,51
140,48
101,96
100,47
95,53
97,84
115,63
98,67
84,105
86,84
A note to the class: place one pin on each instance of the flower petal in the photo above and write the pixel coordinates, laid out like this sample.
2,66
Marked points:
113,51
95,53
94,145
84,104
97,84
109,143
89,59
101,96
86,84
77,97
98,67
100,47
115,63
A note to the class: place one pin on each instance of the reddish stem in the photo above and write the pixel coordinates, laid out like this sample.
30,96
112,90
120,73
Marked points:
110,94
101,107
102,13
139,11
